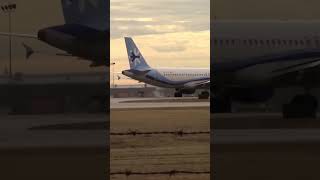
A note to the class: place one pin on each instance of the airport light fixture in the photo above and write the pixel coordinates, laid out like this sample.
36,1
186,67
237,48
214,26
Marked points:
113,64
9,8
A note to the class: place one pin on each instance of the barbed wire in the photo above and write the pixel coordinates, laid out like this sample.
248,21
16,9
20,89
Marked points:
170,173
176,133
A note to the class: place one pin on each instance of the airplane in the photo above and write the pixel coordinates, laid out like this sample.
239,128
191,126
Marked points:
85,33
251,59
183,80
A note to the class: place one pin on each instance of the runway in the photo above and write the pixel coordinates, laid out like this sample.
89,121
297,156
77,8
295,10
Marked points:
34,145
263,128
67,131
129,103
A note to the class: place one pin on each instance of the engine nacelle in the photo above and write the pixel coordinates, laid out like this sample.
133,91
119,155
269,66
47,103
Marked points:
251,95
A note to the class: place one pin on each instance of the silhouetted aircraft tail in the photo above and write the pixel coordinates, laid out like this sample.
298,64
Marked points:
91,13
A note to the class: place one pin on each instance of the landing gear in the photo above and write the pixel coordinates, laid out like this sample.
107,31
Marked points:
301,106
204,95
177,94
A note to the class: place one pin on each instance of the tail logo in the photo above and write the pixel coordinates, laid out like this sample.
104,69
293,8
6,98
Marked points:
135,57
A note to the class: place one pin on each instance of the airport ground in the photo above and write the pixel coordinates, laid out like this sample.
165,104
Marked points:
159,102
264,146
157,153
53,146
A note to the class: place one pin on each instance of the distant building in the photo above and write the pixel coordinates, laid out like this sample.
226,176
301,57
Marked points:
123,92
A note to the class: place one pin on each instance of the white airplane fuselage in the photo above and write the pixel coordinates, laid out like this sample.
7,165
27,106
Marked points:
184,80
171,77
257,52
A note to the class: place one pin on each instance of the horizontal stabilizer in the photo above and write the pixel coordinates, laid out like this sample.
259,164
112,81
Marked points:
29,50
19,35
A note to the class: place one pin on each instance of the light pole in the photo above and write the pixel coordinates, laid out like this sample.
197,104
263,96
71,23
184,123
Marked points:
9,8
113,64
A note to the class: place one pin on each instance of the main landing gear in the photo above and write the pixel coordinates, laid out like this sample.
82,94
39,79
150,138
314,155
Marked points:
204,95
178,94
301,106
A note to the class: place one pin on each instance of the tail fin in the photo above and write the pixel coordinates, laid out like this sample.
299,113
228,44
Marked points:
136,59
91,13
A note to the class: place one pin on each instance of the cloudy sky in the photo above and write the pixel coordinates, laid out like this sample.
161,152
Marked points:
169,33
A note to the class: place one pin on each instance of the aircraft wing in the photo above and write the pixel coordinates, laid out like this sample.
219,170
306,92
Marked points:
303,73
198,84
19,35
298,68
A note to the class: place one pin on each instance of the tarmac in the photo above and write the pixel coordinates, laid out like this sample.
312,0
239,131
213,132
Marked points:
264,146
262,128
129,103
67,131
54,146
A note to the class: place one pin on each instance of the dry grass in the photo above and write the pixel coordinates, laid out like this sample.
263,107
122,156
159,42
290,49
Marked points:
160,152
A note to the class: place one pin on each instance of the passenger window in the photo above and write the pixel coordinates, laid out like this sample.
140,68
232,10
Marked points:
279,42
317,42
308,42
215,42
301,42
232,42
268,42
261,42
284,42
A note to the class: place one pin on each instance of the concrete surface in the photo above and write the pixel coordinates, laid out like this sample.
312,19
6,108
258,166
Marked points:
124,103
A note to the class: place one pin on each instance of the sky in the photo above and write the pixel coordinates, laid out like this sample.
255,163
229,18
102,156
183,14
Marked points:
169,33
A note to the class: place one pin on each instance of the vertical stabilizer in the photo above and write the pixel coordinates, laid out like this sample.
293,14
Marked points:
90,13
135,57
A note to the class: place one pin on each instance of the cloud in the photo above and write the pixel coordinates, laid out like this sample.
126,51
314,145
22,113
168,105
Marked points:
132,19
174,48
143,17
170,46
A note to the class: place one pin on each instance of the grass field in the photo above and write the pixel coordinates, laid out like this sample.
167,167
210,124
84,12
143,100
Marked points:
155,153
